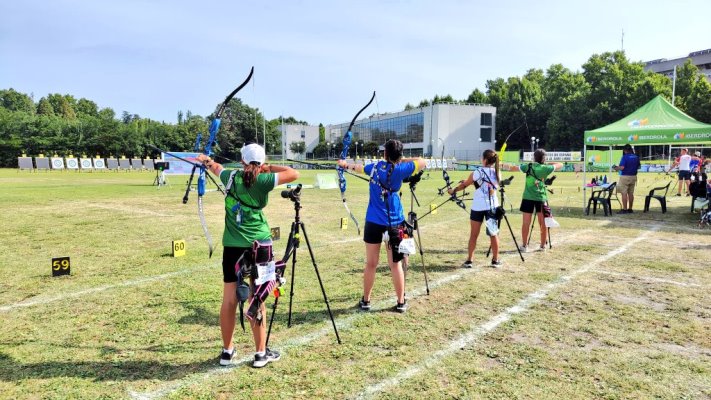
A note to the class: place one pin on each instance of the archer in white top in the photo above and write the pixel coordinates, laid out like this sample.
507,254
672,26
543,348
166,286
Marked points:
484,204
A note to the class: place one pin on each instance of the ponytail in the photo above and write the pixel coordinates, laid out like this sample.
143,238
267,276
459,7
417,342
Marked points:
490,157
250,174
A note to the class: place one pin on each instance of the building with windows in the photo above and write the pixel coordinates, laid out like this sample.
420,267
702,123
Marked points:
702,60
295,134
465,130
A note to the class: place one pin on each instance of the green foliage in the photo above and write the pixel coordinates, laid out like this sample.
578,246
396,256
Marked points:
16,101
321,133
477,97
298,147
60,124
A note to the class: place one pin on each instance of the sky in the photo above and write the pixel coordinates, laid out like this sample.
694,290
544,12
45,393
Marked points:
318,60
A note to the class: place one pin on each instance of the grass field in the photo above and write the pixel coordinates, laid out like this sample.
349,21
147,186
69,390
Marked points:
620,308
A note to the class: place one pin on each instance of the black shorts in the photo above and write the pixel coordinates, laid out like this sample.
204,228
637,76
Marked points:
478,216
230,256
373,233
527,206
684,175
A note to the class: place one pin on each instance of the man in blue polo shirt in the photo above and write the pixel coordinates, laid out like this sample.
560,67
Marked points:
629,164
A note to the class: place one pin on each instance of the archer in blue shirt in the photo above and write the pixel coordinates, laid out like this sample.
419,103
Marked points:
385,214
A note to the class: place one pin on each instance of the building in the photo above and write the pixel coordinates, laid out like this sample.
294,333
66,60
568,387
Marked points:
298,133
702,60
465,130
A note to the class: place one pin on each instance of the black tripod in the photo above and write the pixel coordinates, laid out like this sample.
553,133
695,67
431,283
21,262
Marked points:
412,221
533,223
291,246
502,192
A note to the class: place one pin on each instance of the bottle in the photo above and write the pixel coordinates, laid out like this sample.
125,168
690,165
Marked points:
604,179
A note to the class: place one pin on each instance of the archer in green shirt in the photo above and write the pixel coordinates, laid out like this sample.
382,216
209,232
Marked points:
534,194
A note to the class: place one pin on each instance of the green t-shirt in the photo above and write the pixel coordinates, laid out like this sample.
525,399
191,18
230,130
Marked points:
535,188
248,203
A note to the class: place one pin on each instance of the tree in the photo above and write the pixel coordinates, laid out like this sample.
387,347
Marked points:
298,147
477,97
424,103
321,133
371,149
409,107
698,103
16,101
87,107
44,107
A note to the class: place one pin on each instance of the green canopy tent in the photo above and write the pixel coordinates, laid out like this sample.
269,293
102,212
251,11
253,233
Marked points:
655,123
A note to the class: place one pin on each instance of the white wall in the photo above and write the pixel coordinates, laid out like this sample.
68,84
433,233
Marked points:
293,133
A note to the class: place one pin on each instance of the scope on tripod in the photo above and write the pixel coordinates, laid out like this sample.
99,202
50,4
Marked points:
506,182
550,180
292,194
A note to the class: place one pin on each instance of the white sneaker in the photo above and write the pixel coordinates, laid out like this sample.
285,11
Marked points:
543,249
523,248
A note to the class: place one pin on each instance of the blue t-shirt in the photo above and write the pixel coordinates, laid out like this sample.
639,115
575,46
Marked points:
631,163
377,209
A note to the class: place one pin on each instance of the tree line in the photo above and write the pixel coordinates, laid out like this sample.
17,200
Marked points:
558,105
61,124
555,105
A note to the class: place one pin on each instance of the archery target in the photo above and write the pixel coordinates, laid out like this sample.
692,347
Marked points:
148,164
85,163
42,162
444,164
112,163
25,163
124,164
99,163
439,164
136,163
72,163
57,163
429,163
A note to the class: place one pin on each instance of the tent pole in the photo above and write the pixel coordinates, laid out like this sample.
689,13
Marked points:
669,163
585,164
609,158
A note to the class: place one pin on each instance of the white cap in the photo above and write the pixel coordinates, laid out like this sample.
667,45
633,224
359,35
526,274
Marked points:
698,154
253,153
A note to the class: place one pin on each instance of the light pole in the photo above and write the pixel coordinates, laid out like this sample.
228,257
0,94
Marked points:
328,150
537,140
533,142
356,148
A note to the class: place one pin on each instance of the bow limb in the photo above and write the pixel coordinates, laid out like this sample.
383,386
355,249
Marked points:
344,154
203,222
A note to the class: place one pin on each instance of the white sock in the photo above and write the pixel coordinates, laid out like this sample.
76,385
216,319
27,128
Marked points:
260,353
232,350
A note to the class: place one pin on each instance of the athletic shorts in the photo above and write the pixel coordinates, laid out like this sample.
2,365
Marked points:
478,216
527,206
626,184
373,233
684,175
230,256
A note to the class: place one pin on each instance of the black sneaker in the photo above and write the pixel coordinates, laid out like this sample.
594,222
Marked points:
226,357
364,305
496,263
467,264
269,356
678,194
401,307
630,211
621,212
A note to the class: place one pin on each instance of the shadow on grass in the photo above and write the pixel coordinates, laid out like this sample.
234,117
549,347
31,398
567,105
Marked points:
201,314
12,370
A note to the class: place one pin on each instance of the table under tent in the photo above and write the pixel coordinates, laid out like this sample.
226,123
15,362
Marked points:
655,123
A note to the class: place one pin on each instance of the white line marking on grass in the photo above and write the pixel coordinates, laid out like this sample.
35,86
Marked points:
648,278
343,323
45,300
481,330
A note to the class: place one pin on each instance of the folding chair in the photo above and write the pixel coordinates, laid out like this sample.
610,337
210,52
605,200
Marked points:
602,197
662,198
